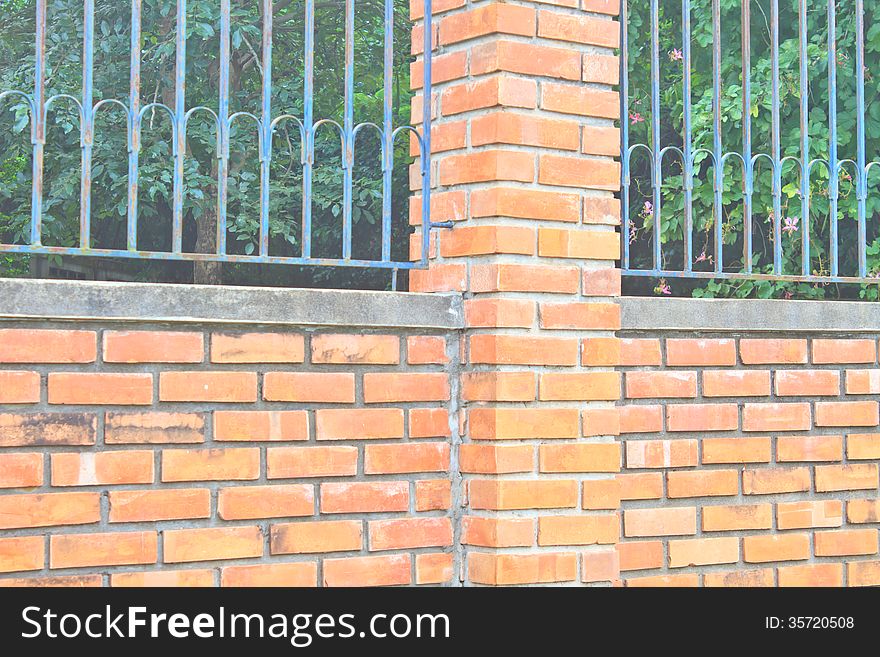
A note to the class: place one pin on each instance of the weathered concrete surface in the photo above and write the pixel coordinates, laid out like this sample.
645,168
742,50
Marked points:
25,298
657,314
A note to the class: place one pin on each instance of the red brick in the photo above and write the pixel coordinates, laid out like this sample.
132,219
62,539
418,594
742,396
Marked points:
487,166
705,483
510,569
600,494
261,425
639,351
641,419
153,347
844,351
669,521
498,386
511,277
434,568
740,578
103,468
776,417
21,553
496,459
405,387
703,551
358,424
591,173
863,511
494,18
814,574
254,502
426,350
445,206
153,428
522,350
47,510
100,388
446,67
406,533
19,387
525,58
701,352
429,423
310,537
47,346
524,130
581,386
769,481
602,282
390,570
640,555
660,385
578,530
601,69
487,240
497,495
640,485
776,547
211,544
682,581
230,464
578,29
863,573
62,581
846,543
600,6
601,210
504,91
439,278
342,349
363,497
498,532
499,313
863,446
110,549
208,387
580,316
322,387
702,417
736,450
296,462
737,517
807,514
854,476
580,100
600,422
21,470
581,457
736,383
304,573
763,351
433,495
47,429
847,414
155,505
525,204
417,7
809,448
601,352
803,383
862,382
513,423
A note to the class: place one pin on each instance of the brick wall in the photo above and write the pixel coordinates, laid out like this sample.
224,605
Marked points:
149,455
750,459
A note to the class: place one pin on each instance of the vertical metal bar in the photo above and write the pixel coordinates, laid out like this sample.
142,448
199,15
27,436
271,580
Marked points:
179,128
775,139
425,161
87,131
308,127
348,126
805,138
833,177
387,128
624,133
861,176
266,128
655,130
748,172
134,108
223,115
38,130
687,165
716,136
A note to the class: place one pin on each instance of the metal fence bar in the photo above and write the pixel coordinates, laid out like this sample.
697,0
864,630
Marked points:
776,138
38,125
134,108
717,154
308,127
349,138
861,173
748,187
425,159
179,129
656,178
833,170
688,137
805,139
266,127
224,127
625,157
88,124
387,129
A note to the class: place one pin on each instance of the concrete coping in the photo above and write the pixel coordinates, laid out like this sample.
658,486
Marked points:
652,314
90,300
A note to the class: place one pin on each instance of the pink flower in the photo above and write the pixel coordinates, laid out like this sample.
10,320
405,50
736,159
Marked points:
703,258
662,288
635,117
647,210
791,225
787,295
675,55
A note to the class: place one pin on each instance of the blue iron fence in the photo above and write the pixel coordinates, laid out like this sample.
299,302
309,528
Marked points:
750,162
266,121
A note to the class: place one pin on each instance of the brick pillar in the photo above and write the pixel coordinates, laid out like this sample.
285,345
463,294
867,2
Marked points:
524,165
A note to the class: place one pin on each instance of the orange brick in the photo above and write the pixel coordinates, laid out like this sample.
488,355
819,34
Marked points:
304,573
446,67
429,423
582,386
63,581
591,173
578,530
602,352
311,537
640,555
660,385
701,352
844,351
524,278
809,448
640,485
254,502
863,446
322,387
525,204
600,422
426,350
449,136
405,387
434,568
678,581
578,29
110,549
439,278
153,428
600,494
510,494
510,569
417,8
776,547
736,450
863,511
525,130
703,551
846,543
45,429
847,414
763,351
860,476
641,419
863,573
196,577
601,69
433,495
669,521
776,480
802,383
499,313
19,387
639,351
351,424
445,206
736,383
737,517
741,578
498,532
581,457
21,470
496,459
581,244
211,544
494,18
503,91
295,462
600,566
525,58
210,464
406,533
208,387
776,417
21,553
487,166
100,388
487,240
705,483
580,100
512,423
600,6
103,468
363,497
261,425
862,382
390,570
155,505
804,515
580,316
47,510
600,140
356,349
602,210
406,457
47,346
498,386
153,347
520,350
703,417
602,282
814,574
